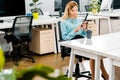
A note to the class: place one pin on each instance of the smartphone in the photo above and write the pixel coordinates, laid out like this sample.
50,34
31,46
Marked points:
85,17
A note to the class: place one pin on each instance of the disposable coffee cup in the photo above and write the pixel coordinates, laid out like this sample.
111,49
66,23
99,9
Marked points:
88,34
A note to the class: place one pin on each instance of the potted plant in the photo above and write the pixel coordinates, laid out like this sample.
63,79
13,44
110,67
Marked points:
35,10
94,6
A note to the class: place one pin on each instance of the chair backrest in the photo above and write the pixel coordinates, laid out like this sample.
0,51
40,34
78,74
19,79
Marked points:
22,25
65,51
60,33
87,7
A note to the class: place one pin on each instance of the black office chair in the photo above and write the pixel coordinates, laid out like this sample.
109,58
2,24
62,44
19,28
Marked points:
87,8
65,52
20,36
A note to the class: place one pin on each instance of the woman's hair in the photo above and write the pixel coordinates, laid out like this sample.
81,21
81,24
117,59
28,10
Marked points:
69,7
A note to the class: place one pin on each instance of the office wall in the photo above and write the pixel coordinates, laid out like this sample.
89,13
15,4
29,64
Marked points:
46,6
82,5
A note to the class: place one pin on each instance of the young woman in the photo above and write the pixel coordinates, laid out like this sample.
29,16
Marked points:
72,27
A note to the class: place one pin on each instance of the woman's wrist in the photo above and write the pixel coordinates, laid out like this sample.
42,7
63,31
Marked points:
85,29
75,30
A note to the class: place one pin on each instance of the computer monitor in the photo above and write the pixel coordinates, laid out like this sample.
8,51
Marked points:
12,7
61,4
64,2
116,4
106,5
58,5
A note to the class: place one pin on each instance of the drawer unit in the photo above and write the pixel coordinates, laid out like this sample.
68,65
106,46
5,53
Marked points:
46,45
42,40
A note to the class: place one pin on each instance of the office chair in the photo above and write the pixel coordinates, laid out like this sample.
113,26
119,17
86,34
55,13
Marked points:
20,36
7,48
87,8
65,52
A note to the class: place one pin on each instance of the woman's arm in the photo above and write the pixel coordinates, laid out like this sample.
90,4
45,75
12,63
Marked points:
78,28
66,34
82,30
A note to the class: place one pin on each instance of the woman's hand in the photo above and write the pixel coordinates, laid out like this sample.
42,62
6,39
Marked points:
84,25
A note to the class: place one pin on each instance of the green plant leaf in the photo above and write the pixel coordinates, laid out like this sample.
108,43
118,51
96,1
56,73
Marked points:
39,70
35,4
31,4
35,1
94,4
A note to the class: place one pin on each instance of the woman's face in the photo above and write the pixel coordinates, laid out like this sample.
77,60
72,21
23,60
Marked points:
73,12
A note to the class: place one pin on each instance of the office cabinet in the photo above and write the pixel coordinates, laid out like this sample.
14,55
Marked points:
115,25
42,40
104,28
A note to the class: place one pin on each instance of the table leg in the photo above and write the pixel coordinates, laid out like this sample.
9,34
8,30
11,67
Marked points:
109,25
111,69
97,68
57,38
71,63
55,47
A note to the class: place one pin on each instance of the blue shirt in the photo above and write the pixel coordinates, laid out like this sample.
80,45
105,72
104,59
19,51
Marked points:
68,26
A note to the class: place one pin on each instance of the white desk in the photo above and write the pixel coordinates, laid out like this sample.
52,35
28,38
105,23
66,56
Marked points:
94,48
43,20
114,59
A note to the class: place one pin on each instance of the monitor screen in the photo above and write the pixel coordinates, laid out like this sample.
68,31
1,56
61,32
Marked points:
64,2
2,8
58,5
12,7
116,4
106,5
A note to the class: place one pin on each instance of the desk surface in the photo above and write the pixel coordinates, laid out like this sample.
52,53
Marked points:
109,14
97,45
8,21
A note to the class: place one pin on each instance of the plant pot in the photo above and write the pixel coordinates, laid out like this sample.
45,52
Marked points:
94,11
35,15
